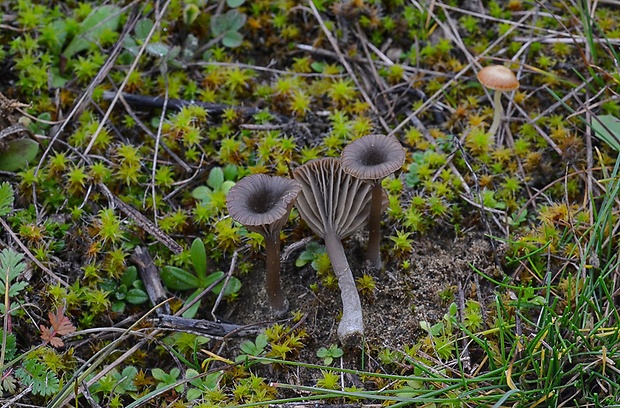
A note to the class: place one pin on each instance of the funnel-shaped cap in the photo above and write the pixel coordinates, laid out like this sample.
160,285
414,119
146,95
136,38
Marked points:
373,157
262,203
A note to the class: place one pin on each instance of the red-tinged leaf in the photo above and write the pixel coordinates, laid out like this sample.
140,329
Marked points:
56,342
61,323
60,326
46,334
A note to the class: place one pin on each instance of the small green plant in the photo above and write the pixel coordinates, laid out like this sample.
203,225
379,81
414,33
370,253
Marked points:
129,289
329,380
179,279
311,254
329,354
441,335
201,384
212,197
225,27
252,349
43,381
115,384
365,284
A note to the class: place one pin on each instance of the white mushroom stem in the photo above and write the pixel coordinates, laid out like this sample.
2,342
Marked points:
497,115
351,327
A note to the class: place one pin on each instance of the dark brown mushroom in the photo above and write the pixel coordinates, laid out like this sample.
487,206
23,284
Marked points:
373,158
262,204
334,205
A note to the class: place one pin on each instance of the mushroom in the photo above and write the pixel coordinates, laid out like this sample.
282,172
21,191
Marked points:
334,205
262,204
373,158
500,79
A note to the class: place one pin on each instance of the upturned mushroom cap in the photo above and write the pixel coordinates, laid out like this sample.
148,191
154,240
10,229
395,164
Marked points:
331,198
262,203
372,157
498,78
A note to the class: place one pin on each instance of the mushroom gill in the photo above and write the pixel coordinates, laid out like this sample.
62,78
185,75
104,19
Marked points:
373,158
334,205
262,204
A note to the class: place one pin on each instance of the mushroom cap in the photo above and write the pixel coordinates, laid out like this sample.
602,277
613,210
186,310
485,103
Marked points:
331,199
498,77
262,203
372,157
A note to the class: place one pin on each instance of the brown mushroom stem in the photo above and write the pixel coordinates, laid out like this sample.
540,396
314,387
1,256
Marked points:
497,115
374,225
277,300
351,326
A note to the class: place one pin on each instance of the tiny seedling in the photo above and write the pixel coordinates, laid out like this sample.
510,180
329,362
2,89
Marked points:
329,354
253,349
179,279
311,254
219,182
129,289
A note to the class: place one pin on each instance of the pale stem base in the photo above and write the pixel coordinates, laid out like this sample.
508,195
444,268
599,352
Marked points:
351,327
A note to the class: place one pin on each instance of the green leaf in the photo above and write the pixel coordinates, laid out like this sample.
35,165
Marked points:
232,39
227,185
607,128
131,45
198,255
232,20
234,3
10,264
43,380
11,345
233,286
202,193
143,28
18,154
136,296
118,306
94,25
6,199
230,172
236,20
158,49
130,276
192,311
178,279
216,178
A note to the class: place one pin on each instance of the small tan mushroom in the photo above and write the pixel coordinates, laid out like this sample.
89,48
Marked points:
373,158
262,204
500,79
334,205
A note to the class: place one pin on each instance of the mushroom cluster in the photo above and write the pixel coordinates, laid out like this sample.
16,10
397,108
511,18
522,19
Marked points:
335,197
334,205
